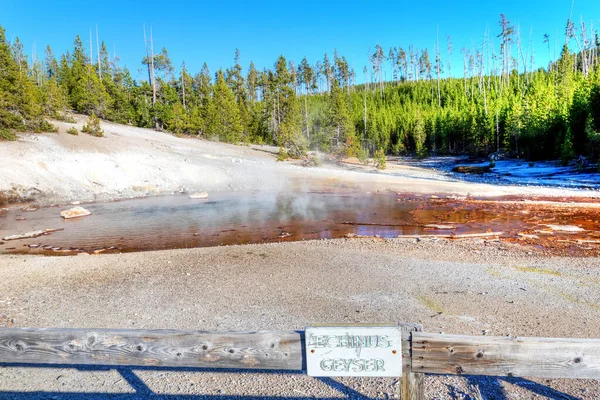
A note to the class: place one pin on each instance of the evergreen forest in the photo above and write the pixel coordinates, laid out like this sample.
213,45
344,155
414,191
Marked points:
409,101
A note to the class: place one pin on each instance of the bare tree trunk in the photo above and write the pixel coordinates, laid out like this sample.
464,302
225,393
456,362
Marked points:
523,56
91,48
438,61
365,107
306,110
98,50
152,62
449,56
150,80
183,86
497,132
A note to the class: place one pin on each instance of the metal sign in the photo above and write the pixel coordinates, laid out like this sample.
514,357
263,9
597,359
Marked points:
354,351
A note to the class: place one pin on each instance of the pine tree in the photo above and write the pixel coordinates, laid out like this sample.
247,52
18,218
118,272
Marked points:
89,95
342,130
19,102
10,97
224,114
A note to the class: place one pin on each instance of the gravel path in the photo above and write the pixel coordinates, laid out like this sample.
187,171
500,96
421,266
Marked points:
442,284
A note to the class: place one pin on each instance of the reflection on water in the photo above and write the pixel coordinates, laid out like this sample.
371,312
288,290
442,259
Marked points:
236,218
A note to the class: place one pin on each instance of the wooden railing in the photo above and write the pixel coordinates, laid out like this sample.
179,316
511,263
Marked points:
422,353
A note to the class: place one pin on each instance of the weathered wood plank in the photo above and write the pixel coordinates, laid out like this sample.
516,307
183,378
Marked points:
244,350
413,386
506,356
471,169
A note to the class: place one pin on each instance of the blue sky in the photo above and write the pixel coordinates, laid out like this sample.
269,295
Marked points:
207,31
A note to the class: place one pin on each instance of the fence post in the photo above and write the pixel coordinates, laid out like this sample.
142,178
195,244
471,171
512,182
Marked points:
412,383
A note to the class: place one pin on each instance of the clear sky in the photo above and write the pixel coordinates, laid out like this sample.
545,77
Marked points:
207,31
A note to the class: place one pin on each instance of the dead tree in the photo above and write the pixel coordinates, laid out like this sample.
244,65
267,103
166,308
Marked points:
98,50
150,63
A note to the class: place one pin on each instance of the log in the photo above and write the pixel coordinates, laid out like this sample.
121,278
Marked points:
450,236
30,235
169,348
471,169
506,356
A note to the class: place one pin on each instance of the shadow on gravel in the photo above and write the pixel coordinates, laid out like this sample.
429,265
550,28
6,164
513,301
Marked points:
486,387
490,387
142,391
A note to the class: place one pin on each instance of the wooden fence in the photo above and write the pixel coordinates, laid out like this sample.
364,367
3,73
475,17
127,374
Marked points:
423,353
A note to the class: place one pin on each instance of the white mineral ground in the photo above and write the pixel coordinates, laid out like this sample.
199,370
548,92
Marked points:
461,287
132,162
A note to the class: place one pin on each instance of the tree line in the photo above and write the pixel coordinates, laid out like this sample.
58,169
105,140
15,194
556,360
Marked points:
408,103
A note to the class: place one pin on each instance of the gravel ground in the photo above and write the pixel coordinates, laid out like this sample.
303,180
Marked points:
444,285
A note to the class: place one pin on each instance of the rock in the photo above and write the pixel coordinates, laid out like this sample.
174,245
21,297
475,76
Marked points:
440,227
471,169
201,195
528,236
74,212
76,203
565,228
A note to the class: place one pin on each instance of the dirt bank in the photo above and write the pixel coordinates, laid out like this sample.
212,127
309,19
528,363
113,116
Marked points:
132,162
444,285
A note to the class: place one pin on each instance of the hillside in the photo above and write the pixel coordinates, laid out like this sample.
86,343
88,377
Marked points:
53,168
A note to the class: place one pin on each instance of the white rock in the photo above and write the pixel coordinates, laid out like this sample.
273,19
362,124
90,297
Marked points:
566,228
74,212
201,195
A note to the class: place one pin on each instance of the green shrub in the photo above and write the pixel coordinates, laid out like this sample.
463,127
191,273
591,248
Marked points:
283,154
566,152
93,126
380,159
72,131
65,117
362,156
41,125
7,134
